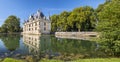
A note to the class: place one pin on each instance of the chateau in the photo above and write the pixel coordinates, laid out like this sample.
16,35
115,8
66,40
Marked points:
37,24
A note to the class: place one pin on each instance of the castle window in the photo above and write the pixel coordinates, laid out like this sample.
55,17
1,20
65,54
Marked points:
35,39
35,28
35,24
44,28
29,29
44,24
39,23
29,25
29,37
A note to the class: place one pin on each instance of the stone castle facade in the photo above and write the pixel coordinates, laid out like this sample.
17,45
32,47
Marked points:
37,24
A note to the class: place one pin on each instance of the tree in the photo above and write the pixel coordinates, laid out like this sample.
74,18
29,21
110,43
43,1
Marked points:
80,19
4,28
76,18
62,21
11,24
89,20
109,26
54,19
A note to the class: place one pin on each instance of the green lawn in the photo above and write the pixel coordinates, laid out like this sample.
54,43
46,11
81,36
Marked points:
99,60
47,60
0,60
79,60
12,60
87,60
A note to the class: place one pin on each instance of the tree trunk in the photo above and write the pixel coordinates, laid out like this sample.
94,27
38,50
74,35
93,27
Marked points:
78,30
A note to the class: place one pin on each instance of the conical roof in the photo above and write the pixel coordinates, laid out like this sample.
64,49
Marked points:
40,14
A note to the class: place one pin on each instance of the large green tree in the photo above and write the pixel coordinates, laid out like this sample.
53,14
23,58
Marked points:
11,24
54,20
63,22
109,26
76,19
89,19
80,19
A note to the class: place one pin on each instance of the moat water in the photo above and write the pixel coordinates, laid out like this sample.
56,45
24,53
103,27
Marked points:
18,46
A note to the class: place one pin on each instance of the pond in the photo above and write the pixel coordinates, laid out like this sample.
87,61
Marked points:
49,46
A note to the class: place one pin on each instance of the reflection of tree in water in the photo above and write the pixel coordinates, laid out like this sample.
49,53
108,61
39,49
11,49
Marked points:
73,46
45,43
10,41
67,47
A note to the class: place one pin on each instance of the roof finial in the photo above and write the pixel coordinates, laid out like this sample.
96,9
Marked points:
49,15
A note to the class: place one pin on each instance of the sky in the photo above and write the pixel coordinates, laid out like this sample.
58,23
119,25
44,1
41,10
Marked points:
24,8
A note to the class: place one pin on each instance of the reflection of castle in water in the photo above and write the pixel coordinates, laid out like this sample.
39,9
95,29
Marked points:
32,42
37,43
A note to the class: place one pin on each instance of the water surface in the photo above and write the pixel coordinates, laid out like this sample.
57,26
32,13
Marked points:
47,45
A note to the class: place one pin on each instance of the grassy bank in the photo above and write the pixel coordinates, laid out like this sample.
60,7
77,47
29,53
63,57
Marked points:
12,60
99,60
79,60
86,60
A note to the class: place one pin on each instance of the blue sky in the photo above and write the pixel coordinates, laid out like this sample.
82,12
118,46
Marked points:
24,8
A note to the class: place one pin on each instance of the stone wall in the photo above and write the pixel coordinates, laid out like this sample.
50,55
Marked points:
76,35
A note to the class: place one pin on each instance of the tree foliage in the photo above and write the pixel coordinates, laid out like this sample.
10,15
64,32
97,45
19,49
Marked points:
80,19
11,24
54,23
109,26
